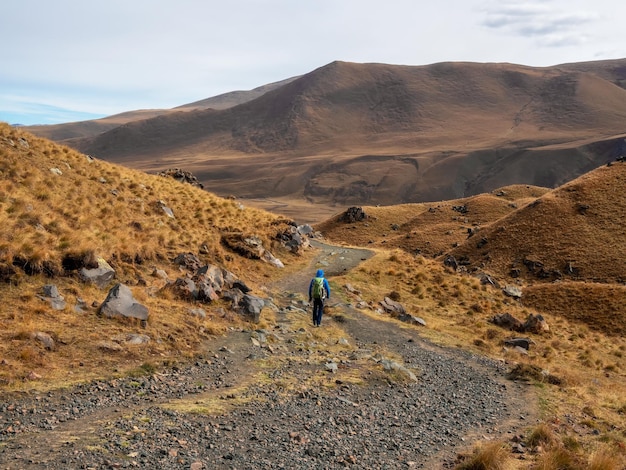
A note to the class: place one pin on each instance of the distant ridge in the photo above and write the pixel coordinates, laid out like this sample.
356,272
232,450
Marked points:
376,133
86,129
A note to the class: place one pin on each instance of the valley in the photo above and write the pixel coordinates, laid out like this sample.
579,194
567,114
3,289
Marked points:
477,309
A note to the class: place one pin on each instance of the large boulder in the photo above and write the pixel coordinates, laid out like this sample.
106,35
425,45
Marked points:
100,276
188,261
512,291
183,288
250,307
392,307
120,302
296,237
353,214
208,283
212,275
536,324
508,321
51,294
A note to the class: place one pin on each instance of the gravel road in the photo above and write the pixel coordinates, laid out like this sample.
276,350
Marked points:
382,424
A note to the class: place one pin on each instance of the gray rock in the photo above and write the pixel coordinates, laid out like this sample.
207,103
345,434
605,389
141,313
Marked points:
46,340
512,291
305,229
51,294
393,365
100,276
169,212
393,307
212,275
134,338
81,306
536,324
183,288
407,318
250,307
205,292
506,320
188,261
234,295
519,343
109,346
161,274
120,302
198,312
271,259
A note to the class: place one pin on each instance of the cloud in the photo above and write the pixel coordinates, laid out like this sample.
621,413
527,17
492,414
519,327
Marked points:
548,23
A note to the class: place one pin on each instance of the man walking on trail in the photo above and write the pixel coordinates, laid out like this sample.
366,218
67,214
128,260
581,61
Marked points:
319,290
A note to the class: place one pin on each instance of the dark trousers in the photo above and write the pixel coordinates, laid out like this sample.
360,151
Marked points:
318,310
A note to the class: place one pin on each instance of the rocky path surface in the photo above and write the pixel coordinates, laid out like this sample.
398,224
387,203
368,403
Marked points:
276,399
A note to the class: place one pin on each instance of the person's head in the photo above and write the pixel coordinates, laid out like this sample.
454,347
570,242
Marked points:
320,273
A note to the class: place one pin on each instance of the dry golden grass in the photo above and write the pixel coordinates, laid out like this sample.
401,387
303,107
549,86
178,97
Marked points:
428,228
60,210
491,456
600,306
576,229
576,370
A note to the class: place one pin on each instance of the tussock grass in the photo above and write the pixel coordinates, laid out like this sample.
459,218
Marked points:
60,211
490,456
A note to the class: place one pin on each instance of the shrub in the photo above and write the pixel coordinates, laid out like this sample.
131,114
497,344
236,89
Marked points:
492,456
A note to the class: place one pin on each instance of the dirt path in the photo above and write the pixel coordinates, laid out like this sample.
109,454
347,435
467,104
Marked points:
274,401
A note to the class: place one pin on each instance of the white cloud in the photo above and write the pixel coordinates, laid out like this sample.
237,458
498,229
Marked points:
115,55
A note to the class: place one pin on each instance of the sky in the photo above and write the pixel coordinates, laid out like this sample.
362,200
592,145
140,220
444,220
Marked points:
73,60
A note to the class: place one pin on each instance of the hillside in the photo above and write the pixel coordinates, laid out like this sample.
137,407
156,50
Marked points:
573,232
386,134
62,212
564,247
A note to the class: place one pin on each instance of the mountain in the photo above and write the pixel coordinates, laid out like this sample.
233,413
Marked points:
85,129
385,134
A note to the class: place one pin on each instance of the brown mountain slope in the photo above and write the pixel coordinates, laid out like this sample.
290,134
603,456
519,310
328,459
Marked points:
234,98
364,106
60,211
91,128
573,232
428,228
81,129
373,133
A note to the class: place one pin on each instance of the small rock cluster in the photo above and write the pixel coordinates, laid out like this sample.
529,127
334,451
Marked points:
207,283
353,214
182,176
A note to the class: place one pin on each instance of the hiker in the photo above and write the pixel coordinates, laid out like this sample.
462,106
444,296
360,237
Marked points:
319,290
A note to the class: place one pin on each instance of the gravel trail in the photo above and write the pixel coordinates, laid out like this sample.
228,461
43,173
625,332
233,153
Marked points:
383,424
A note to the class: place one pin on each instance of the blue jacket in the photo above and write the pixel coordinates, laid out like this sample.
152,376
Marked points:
320,273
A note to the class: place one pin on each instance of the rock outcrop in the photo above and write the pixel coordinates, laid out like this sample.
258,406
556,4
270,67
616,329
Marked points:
121,303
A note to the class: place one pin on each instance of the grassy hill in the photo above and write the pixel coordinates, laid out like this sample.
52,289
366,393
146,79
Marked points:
565,246
59,208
